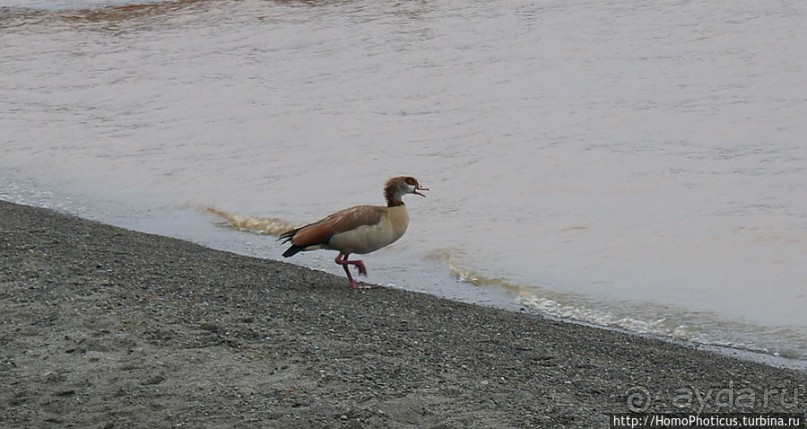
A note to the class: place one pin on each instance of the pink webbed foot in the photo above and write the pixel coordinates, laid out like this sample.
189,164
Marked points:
359,285
344,262
359,267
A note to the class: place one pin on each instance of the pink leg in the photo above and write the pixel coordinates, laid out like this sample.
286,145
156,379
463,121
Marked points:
342,260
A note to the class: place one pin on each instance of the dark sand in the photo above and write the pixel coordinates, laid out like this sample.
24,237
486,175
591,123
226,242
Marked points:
108,328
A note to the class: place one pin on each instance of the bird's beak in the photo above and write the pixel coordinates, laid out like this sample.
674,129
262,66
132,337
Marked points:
420,188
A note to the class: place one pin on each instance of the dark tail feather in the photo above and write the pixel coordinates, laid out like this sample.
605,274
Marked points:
286,237
291,251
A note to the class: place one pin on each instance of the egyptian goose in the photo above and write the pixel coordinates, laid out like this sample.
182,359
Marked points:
360,229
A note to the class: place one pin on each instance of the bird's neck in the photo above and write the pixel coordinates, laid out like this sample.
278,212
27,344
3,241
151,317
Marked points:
393,198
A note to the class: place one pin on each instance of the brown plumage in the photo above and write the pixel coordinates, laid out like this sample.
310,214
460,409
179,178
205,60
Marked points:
360,229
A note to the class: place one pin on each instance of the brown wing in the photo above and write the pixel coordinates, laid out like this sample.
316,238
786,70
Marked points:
320,232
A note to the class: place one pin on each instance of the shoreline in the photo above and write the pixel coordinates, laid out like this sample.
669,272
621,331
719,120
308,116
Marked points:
106,327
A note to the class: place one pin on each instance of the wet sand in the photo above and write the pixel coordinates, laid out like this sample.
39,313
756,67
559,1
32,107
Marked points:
108,328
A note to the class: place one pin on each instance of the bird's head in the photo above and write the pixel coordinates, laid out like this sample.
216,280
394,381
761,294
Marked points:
397,187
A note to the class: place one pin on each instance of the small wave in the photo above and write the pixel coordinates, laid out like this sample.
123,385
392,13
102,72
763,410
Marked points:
682,326
562,306
573,308
103,12
468,276
255,225
556,308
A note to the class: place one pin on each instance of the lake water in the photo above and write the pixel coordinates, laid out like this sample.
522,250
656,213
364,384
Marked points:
634,164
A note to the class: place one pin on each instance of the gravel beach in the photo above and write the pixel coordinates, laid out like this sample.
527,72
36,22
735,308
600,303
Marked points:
102,327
